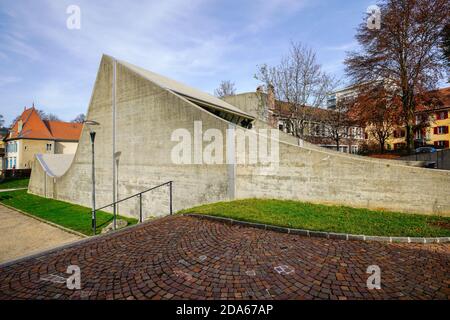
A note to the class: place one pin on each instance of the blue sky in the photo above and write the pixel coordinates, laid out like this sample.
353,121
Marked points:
198,42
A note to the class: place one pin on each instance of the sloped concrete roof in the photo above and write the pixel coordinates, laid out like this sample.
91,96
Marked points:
55,165
185,90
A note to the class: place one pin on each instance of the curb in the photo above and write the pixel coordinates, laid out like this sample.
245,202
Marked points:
321,234
46,221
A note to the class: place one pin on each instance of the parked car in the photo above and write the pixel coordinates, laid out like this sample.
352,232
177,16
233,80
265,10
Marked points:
426,150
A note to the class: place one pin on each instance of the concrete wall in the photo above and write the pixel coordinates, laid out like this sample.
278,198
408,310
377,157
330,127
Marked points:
330,177
147,115
65,147
441,158
251,102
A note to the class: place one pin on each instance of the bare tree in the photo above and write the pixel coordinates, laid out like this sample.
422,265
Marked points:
446,44
79,118
225,89
49,116
300,82
405,51
2,121
337,122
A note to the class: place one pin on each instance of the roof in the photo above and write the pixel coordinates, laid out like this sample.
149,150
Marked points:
283,109
187,91
64,130
436,100
55,165
33,127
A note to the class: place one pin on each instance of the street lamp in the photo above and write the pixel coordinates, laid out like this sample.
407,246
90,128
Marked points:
91,124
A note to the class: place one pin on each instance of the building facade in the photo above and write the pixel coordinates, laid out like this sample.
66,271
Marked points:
30,135
432,125
3,134
315,127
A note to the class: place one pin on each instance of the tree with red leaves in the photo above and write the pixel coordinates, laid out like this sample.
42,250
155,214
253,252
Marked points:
406,51
378,110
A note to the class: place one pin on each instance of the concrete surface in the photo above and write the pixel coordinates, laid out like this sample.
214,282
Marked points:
21,235
441,158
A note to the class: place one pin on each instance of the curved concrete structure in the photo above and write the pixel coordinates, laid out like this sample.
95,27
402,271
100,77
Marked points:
147,113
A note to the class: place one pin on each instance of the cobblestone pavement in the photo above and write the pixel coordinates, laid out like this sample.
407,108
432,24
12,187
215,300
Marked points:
188,258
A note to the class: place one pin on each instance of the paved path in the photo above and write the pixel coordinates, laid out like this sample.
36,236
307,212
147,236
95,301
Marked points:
15,189
21,235
188,258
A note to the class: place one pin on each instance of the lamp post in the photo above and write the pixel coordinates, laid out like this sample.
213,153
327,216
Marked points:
90,124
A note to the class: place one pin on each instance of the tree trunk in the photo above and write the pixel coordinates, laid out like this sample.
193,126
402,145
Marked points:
409,137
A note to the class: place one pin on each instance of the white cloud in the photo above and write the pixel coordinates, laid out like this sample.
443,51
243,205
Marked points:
5,80
343,47
180,39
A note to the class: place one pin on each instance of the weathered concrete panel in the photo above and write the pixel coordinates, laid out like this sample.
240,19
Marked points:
337,178
146,117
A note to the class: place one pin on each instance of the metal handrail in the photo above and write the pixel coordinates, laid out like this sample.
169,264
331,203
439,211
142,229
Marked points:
139,194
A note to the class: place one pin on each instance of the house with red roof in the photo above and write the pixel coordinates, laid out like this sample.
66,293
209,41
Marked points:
31,135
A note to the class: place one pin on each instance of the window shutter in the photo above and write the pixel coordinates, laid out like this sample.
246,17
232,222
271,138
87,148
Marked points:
435,130
446,115
438,116
446,143
446,129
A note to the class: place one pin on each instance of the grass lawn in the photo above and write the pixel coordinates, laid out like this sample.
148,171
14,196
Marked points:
14,183
303,215
68,215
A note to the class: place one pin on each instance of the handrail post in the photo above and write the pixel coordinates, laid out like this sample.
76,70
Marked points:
115,213
170,197
140,207
94,222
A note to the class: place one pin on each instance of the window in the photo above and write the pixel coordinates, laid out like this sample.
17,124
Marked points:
441,130
10,163
441,144
11,147
49,147
442,115
14,162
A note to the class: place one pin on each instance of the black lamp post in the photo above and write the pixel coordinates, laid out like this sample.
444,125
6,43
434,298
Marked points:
92,133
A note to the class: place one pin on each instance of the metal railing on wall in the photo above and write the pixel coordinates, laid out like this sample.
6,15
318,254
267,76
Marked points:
114,204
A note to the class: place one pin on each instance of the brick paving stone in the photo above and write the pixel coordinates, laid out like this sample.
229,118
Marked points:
160,260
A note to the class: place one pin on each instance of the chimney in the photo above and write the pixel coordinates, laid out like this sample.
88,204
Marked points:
271,97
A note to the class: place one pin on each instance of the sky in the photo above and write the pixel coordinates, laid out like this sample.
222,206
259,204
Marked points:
197,42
